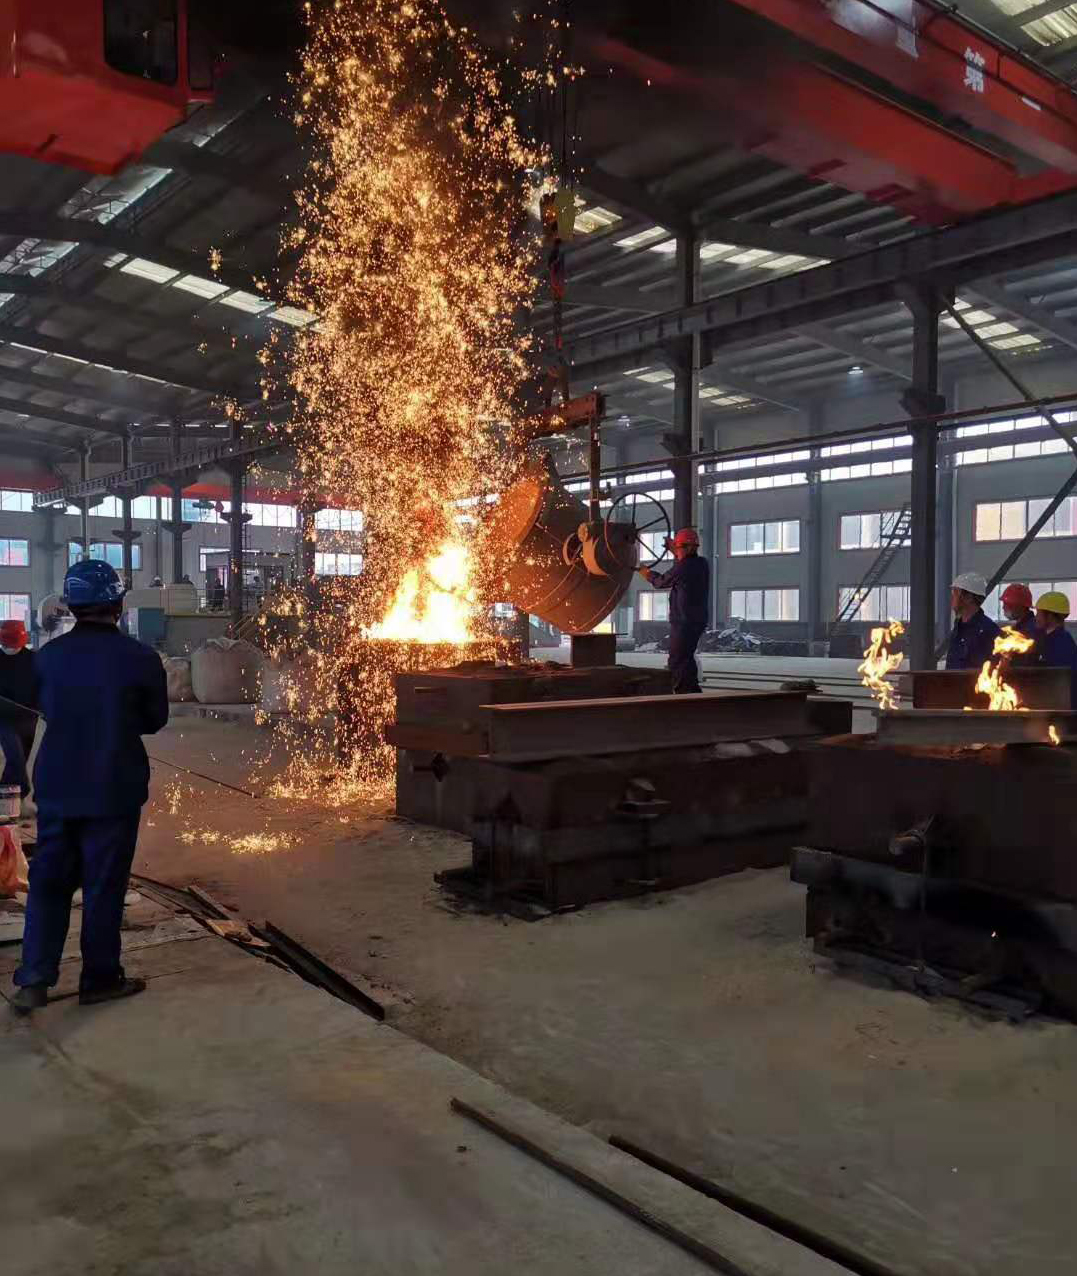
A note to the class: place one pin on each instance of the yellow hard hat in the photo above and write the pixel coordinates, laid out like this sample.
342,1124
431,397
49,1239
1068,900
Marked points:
1054,600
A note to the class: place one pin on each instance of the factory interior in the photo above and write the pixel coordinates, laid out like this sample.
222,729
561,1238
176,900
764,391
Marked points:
407,362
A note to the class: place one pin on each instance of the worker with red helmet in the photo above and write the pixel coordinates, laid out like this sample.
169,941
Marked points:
18,703
688,581
1017,608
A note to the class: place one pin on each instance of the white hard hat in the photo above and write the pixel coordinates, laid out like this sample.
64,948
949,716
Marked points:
971,583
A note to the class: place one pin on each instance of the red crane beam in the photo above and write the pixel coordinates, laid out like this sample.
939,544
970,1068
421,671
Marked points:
936,57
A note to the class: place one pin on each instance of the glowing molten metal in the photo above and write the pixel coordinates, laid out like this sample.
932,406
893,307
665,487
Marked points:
435,603
992,681
879,661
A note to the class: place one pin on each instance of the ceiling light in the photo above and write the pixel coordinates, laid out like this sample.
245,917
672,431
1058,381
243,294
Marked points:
199,286
148,270
247,301
856,370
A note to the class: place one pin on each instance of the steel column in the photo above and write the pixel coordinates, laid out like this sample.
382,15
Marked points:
682,442
177,527
945,544
237,518
921,399
84,474
308,545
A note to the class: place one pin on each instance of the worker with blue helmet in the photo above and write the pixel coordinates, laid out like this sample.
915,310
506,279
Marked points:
99,692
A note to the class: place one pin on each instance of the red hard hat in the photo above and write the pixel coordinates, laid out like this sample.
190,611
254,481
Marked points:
13,634
1017,596
686,536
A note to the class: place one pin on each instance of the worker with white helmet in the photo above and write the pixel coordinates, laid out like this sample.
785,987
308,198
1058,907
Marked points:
688,581
972,640
1054,644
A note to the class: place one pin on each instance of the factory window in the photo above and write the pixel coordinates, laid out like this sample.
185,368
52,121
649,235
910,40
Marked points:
339,520
268,515
202,510
1012,451
764,604
653,544
884,602
144,507
140,39
993,604
868,531
110,507
14,553
653,604
765,538
17,501
763,482
338,564
110,551
1009,520
15,607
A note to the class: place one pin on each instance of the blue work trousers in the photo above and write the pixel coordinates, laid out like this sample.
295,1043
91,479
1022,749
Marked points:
683,640
95,854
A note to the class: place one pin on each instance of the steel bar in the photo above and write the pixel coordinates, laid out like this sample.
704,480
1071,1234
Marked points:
825,1246
195,459
961,727
705,1253
569,728
315,971
942,421
970,250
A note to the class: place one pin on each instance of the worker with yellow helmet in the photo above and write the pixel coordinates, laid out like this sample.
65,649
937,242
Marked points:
1054,645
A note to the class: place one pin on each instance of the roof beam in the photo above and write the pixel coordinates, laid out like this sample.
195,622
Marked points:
118,312
604,298
971,250
88,393
32,225
1011,26
35,438
116,362
861,351
58,416
1025,308
734,383
198,161
628,196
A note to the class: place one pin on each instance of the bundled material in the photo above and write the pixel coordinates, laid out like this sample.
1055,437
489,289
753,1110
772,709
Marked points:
226,671
288,685
178,673
13,866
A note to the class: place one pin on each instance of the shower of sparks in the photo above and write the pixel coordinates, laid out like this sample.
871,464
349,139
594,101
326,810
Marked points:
413,250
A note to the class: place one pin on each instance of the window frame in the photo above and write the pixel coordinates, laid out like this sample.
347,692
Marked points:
1027,501
763,524
6,541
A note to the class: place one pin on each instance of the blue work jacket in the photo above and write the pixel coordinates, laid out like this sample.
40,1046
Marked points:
972,642
1058,650
100,692
689,583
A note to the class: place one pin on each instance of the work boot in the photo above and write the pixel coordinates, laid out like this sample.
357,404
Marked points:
32,997
125,988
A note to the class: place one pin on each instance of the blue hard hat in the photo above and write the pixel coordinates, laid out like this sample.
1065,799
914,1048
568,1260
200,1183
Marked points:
92,582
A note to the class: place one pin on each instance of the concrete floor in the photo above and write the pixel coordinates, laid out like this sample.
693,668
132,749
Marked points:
234,1120
697,1022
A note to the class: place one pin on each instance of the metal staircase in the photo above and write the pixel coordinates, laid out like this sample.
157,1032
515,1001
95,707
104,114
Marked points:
888,548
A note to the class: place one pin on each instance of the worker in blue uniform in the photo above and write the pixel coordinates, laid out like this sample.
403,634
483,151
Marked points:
1054,644
99,692
972,639
688,581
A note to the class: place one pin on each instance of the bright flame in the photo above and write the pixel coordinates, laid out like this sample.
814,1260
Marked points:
1053,733
992,681
435,603
879,661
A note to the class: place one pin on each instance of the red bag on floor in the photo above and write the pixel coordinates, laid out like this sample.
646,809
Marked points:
13,866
